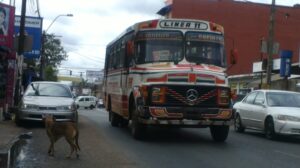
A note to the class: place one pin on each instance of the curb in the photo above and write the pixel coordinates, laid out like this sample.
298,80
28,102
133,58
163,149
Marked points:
9,153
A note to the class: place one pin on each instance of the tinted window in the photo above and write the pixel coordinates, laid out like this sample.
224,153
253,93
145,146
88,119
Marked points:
250,98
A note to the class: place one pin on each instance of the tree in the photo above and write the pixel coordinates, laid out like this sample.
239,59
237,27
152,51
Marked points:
53,52
50,73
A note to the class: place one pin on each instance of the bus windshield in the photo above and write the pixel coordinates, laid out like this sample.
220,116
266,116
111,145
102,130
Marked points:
205,48
159,46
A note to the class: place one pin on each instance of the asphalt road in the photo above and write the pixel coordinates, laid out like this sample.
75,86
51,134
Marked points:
106,146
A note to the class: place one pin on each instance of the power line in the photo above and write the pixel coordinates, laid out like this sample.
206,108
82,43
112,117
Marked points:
66,68
93,59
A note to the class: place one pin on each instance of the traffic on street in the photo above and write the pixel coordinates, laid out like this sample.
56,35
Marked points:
150,84
105,146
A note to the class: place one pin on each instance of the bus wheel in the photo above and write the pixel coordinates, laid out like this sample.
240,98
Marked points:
114,119
219,133
137,129
124,122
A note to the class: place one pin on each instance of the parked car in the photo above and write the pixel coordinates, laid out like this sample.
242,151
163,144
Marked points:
100,103
86,102
42,98
273,111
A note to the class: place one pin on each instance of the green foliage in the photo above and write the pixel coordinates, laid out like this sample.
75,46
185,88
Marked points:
53,52
50,73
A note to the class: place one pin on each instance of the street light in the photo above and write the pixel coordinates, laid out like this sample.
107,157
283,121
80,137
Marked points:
68,15
43,43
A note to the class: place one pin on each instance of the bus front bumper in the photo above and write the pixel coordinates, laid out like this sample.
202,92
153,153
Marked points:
186,116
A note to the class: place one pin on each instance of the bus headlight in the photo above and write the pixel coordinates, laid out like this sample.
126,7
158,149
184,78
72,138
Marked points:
158,95
223,96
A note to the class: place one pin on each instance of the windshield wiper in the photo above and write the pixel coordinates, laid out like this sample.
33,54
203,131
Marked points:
36,92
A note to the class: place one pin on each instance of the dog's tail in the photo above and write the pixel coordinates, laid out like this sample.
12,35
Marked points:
76,139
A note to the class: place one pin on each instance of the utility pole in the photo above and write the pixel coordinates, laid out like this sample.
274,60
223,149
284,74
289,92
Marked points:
270,44
18,85
22,28
42,59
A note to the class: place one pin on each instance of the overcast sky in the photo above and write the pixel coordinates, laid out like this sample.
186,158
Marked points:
94,24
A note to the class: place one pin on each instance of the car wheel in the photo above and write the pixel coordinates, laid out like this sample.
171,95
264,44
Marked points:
17,120
137,129
92,106
77,106
238,126
269,129
219,133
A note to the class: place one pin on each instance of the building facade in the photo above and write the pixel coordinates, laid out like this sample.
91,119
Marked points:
246,25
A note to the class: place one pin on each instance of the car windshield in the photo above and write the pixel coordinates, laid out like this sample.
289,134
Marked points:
205,48
48,89
159,46
283,99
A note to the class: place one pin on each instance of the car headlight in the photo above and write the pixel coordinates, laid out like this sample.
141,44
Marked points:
288,118
30,107
63,108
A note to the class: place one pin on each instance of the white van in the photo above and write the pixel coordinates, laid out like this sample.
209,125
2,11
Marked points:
86,102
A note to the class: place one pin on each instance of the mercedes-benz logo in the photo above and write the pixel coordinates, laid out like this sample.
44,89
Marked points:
192,95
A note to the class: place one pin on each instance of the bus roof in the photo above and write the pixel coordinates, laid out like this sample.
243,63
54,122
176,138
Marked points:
173,24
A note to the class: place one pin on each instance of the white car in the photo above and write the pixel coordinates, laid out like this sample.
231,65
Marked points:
42,98
273,111
86,102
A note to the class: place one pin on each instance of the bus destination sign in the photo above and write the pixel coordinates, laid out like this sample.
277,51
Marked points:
178,24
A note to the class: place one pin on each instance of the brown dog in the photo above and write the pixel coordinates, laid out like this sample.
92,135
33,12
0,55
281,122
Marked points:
56,130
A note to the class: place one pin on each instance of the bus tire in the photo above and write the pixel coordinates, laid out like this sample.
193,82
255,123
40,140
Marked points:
219,133
124,122
115,119
137,129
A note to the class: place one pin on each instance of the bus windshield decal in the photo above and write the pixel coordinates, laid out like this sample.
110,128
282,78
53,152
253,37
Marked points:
156,35
205,37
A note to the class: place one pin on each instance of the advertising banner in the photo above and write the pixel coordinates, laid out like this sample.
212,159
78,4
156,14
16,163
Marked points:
7,14
285,66
94,74
33,27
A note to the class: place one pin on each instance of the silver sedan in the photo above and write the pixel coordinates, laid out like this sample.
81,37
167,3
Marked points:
43,98
273,111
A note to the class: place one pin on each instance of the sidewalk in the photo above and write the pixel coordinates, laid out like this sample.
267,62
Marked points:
9,142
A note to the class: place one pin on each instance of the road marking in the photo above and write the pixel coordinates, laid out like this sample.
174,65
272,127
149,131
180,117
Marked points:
288,154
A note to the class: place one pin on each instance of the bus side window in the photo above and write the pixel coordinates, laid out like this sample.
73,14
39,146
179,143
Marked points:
122,54
117,56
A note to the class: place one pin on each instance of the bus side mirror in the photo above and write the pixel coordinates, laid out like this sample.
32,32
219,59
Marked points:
129,48
233,56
